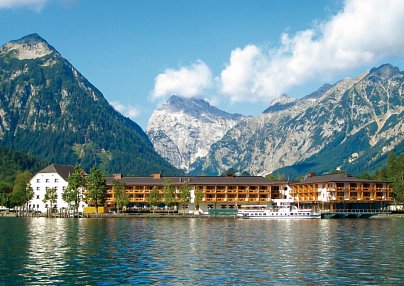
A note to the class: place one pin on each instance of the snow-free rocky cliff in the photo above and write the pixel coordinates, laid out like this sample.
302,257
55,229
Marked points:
353,124
183,129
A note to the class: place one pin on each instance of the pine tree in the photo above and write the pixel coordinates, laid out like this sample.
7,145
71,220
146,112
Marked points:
96,188
154,197
168,194
185,193
121,196
76,183
50,196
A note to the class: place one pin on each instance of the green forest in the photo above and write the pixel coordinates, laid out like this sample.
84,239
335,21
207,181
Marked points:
13,162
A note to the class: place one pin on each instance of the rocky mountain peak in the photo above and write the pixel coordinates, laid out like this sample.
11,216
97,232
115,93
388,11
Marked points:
45,100
385,71
319,92
281,103
194,107
29,47
183,129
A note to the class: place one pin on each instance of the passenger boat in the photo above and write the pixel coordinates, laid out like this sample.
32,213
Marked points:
282,209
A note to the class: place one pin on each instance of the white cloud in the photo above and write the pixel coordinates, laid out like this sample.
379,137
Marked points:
128,110
364,32
186,81
36,5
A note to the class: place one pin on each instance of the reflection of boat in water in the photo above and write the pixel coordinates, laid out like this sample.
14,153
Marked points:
282,209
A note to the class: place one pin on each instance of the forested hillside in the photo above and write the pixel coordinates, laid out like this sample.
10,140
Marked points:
13,162
50,111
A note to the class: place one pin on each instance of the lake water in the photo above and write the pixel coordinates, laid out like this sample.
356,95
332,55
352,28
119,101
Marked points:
197,251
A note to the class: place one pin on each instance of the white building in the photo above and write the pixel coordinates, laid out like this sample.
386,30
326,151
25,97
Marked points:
53,176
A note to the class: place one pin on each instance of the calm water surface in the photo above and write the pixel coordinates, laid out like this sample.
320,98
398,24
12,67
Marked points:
40,251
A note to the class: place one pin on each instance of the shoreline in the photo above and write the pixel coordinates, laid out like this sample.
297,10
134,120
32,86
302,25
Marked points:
165,215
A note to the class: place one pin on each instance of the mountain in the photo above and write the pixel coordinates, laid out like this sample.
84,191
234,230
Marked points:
50,111
352,125
183,129
13,162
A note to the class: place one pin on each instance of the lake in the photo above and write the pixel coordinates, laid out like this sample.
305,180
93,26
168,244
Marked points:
202,251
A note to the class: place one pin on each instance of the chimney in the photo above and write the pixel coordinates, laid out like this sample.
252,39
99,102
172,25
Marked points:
229,176
117,176
156,176
311,175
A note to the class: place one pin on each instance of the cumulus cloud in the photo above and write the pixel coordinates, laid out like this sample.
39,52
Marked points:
364,32
128,110
36,5
187,81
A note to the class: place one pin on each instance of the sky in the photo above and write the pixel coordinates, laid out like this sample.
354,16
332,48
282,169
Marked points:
238,55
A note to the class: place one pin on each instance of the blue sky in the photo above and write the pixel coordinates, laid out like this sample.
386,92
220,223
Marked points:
239,55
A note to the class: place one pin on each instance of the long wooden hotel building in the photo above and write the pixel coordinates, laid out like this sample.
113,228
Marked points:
327,192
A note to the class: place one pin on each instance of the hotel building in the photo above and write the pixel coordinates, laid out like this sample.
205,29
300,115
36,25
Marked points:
327,192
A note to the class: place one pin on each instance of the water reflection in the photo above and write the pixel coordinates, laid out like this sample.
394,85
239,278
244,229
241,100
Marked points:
204,251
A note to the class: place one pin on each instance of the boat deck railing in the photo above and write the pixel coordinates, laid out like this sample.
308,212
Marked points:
356,211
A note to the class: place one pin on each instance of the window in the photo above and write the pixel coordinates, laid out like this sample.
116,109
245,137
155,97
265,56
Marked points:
47,181
56,180
63,188
38,188
37,197
38,180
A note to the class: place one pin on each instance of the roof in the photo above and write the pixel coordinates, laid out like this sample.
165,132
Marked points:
63,170
342,177
197,180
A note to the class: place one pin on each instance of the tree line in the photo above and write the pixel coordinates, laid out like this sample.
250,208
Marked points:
394,172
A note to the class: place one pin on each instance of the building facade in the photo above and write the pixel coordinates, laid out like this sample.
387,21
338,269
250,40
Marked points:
218,192
341,191
53,176
327,192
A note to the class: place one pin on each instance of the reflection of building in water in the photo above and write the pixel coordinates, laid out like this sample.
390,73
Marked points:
225,194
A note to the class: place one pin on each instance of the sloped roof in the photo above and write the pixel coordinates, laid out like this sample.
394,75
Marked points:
342,177
197,180
63,170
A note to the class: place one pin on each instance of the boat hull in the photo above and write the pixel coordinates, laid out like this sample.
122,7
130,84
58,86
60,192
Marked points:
269,215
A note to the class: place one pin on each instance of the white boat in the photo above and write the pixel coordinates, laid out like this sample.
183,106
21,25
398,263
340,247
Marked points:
283,209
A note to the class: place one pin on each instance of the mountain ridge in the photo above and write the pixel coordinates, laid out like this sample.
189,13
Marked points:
51,111
311,128
359,119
